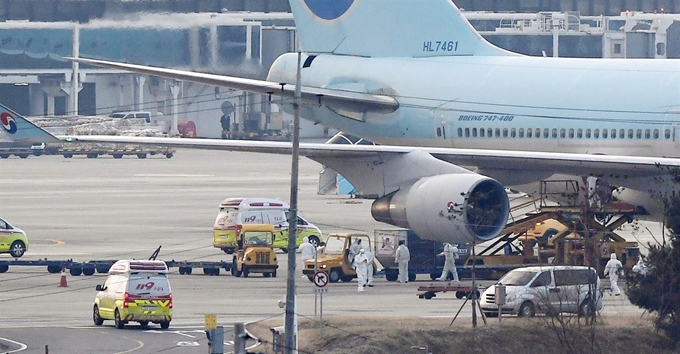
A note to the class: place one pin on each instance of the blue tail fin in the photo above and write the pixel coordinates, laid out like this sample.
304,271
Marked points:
19,128
387,28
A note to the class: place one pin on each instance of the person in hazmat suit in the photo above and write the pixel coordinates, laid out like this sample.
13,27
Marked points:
614,269
450,254
369,267
354,249
401,257
307,251
360,263
640,267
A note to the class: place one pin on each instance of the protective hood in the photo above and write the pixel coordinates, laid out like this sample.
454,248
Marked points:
305,239
613,256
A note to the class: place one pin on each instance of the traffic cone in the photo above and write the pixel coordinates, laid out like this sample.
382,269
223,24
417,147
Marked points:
62,281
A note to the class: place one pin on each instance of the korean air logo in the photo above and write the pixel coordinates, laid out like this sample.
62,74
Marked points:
449,207
8,122
328,9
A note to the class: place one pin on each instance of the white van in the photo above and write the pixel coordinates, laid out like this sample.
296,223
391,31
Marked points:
238,211
134,291
557,289
126,115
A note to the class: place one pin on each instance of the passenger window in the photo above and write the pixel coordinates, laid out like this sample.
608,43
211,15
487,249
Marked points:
579,133
498,133
542,280
622,133
638,133
513,133
648,133
521,132
529,133
460,132
604,133
613,133
656,133
467,132
554,133
596,133
571,133
474,132
489,133
667,133
481,132
587,133
630,133
563,133
505,132
545,133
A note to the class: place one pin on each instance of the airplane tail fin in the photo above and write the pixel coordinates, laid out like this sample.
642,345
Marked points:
387,28
18,128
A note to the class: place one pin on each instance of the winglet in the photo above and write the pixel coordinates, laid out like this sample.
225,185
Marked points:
18,128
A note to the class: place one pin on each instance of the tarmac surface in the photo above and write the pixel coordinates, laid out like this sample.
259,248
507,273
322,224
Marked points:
89,209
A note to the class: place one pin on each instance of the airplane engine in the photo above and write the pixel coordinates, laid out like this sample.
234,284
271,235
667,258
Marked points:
455,208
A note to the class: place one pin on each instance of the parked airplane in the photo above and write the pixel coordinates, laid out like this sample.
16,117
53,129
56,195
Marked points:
457,119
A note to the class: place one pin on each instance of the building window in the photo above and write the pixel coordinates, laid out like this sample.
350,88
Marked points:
661,49
617,48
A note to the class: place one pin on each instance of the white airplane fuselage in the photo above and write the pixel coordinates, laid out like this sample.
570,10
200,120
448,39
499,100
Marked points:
525,103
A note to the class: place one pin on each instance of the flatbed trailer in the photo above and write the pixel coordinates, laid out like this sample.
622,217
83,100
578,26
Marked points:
461,290
76,268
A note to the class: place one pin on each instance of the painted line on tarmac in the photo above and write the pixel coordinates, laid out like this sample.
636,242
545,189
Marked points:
22,346
141,344
169,175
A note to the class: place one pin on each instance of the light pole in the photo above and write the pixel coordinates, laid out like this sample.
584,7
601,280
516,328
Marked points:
290,325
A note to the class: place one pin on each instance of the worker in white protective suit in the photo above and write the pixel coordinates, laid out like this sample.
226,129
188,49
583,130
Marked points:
307,251
360,264
640,267
401,257
369,267
614,269
450,254
354,249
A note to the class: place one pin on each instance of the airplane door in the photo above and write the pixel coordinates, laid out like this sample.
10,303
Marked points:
444,122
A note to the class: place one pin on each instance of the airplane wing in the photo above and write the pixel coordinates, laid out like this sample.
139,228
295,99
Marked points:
566,163
337,98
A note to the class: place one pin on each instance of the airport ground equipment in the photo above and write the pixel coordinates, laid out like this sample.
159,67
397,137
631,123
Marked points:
335,258
461,290
254,252
424,259
68,150
102,266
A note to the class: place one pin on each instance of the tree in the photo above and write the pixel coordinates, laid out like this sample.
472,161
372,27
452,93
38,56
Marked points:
658,290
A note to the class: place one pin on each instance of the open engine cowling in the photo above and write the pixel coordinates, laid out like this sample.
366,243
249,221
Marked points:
455,208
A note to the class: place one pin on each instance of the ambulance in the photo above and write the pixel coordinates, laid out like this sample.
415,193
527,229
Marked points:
134,291
235,212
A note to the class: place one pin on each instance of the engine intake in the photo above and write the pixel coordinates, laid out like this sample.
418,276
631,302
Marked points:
455,208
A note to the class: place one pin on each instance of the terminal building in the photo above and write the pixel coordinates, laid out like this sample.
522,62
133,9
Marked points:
243,38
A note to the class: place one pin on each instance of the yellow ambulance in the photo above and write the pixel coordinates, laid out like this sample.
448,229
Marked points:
134,291
239,211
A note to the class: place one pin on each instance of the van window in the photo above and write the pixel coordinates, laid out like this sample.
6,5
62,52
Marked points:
517,278
154,284
542,280
574,277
